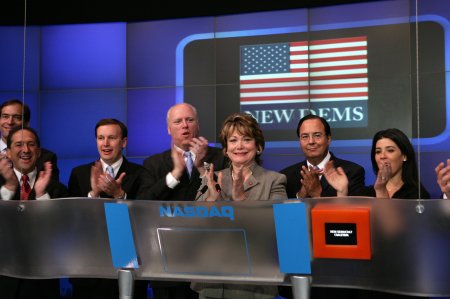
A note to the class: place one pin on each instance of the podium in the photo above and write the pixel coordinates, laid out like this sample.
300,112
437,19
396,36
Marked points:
226,242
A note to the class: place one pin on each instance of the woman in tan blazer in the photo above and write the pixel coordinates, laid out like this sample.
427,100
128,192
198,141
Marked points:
243,143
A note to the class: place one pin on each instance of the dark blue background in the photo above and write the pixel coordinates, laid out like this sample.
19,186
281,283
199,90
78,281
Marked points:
78,74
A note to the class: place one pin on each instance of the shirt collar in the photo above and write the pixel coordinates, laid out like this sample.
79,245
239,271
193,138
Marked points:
321,165
31,176
116,165
2,146
180,150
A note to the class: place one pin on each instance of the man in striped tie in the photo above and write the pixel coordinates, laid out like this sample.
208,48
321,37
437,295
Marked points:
175,176
21,180
23,151
112,177
305,179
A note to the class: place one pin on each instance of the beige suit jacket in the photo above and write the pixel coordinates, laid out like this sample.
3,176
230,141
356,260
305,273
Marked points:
263,184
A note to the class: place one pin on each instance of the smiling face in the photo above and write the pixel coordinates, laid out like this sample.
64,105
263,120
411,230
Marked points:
24,151
313,140
182,125
110,143
10,117
388,153
241,149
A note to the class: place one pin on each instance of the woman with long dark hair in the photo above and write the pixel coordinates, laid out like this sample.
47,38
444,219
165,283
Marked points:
394,163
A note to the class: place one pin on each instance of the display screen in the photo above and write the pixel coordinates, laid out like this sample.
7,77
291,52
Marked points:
358,79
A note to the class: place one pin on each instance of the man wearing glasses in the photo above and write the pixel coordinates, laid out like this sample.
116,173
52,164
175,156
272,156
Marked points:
305,179
11,115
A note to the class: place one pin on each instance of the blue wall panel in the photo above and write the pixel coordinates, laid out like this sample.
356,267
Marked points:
78,74
69,119
83,56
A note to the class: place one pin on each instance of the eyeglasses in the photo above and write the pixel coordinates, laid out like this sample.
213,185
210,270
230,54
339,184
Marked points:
315,136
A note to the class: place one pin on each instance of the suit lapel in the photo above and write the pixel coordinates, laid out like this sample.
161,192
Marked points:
250,183
253,179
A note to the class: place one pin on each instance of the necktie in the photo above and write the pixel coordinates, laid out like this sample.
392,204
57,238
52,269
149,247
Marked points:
110,171
189,162
25,190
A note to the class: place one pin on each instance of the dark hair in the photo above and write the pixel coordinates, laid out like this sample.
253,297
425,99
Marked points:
409,167
19,128
112,121
313,116
246,125
26,110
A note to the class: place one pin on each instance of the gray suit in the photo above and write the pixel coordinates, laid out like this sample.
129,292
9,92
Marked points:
261,185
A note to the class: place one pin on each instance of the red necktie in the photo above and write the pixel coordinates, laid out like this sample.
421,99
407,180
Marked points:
25,190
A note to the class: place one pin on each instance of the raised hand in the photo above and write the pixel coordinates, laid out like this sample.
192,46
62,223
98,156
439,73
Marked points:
7,172
310,181
383,176
337,178
237,191
96,171
110,186
178,163
199,146
213,193
40,186
443,177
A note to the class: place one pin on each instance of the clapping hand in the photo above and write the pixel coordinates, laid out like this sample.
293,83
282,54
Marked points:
337,178
310,182
443,177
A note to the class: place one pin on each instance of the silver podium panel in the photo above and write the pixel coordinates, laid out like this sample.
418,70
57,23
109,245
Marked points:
218,242
225,242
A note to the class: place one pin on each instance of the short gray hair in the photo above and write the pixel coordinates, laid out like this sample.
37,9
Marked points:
177,105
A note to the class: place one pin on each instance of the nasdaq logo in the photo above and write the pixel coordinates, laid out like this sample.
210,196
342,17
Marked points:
197,211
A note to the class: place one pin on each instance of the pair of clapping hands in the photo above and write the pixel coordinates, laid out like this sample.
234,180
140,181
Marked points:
337,178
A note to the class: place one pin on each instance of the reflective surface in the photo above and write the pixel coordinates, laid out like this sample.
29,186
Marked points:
68,238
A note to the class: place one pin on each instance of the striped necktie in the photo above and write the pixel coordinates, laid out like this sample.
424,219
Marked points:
189,162
25,189
110,171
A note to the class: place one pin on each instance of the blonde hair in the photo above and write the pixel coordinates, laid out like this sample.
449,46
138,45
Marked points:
246,125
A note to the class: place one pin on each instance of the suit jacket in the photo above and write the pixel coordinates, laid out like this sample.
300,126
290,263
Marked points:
355,174
262,184
49,156
161,164
55,189
136,182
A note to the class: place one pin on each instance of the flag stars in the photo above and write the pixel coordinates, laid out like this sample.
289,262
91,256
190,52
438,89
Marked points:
263,59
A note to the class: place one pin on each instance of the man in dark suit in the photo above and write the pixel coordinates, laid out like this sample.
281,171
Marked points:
20,179
170,178
175,175
112,176
127,180
23,153
305,179
15,113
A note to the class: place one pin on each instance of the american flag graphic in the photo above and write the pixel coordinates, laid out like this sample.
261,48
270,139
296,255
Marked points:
297,72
